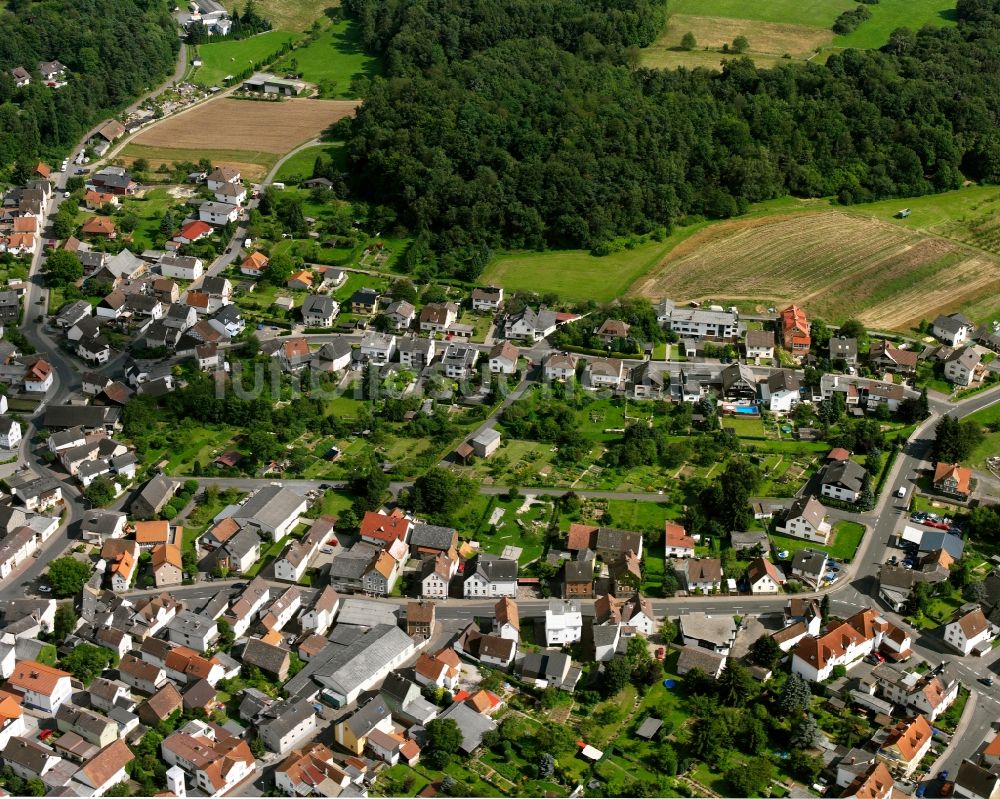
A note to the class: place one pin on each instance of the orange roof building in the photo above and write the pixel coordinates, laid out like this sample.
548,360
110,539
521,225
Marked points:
254,264
100,226
875,783
795,330
380,528
950,478
151,534
905,745
42,687
25,224
676,540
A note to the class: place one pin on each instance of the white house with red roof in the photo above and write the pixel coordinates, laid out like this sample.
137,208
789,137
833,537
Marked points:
383,529
677,542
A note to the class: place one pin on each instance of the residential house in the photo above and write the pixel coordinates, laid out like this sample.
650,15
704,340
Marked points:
42,687
560,366
166,565
715,633
333,356
193,630
487,299
886,356
294,354
873,783
352,731
161,705
310,772
763,577
795,336
319,310
420,619
707,661
503,358
272,510
215,213
530,324
182,267
781,391
474,725
759,345
490,576
969,631
806,518
842,480
292,564
442,669
223,176
485,442
254,265
843,644
401,313
287,723
459,361
954,329
604,373
91,726
715,323
300,281
677,543
928,694
962,366
545,668
282,610
10,432
953,480
625,573
100,227
844,349
100,525
976,782
378,347
428,540
702,575
577,578
436,575
380,577
214,760
508,624
142,676
438,317
609,543
904,746
810,565
270,659
364,302
739,383
563,622
38,376
319,618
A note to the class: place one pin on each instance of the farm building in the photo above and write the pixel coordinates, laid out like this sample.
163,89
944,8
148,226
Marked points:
268,83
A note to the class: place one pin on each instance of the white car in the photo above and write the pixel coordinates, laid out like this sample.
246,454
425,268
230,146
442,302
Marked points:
45,589
65,195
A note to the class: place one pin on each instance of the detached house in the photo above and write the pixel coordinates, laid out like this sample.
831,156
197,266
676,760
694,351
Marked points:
700,574
563,622
795,331
885,355
904,745
319,310
438,317
531,325
43,687
953,480
763,577
953,330
969,631
503,358
843,480
806,518
962,366
843,644
490,576
678,544
487,299
759,345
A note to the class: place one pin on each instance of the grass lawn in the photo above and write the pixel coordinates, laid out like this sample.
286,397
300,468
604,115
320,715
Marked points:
888,15
300,166
333,61
578,275
987,417
149,209
267,555
220,59
156,155
820,13
293,15
641,516
843,544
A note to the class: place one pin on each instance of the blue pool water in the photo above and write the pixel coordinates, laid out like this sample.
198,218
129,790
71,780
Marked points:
745,409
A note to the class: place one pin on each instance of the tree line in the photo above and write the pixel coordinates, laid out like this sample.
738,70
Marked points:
531,125
113,49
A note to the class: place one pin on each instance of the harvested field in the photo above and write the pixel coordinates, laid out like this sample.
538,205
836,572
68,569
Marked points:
271,127
774,38
253,164
657,57
832,263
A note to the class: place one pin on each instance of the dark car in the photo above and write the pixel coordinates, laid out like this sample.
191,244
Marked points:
239,585
986,680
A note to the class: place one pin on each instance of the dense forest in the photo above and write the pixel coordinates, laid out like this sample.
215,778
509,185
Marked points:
530,124
114,49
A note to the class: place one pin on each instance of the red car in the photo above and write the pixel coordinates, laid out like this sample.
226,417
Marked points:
937,525
661,653
44,735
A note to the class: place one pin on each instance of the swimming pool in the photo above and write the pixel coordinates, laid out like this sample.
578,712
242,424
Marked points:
749,410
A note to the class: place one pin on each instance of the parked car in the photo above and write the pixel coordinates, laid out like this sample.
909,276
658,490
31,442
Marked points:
943,774
45,589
